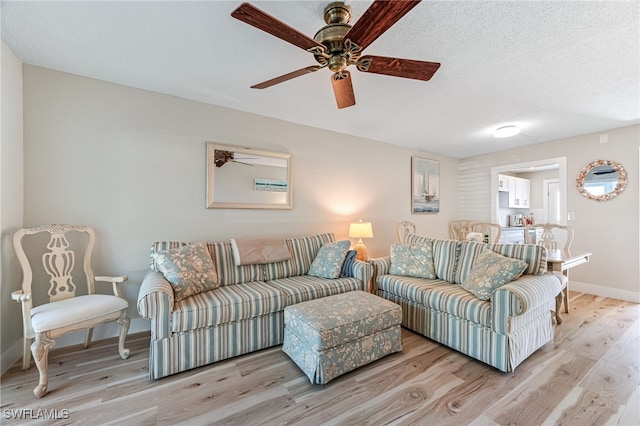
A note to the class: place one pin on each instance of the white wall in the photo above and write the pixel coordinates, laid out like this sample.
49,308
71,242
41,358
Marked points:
609,230
132,164
11,201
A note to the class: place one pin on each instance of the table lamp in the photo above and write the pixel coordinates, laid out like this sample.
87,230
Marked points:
361,230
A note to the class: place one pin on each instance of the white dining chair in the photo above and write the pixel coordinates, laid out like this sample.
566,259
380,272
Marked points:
552,237
403,228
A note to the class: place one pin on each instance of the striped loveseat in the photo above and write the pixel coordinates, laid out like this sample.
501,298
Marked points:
502,331
244,314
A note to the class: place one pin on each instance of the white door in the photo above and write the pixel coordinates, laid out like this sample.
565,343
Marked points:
552,200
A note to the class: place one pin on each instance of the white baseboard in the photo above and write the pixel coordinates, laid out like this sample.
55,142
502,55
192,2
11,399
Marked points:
599,290
103,331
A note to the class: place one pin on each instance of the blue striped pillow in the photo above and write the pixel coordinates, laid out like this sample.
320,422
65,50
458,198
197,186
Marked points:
347,266
469,251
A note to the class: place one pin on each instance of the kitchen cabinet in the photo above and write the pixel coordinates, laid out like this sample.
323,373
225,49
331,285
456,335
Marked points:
503,183
519,193
523,192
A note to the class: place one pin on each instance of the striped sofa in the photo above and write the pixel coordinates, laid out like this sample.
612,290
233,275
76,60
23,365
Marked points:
502,331
244,314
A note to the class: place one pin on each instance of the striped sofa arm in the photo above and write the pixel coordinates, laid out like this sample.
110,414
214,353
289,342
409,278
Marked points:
364,272
155,302
381,265
521,296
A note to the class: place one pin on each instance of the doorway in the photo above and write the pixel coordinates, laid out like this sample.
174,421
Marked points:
551,200
531,166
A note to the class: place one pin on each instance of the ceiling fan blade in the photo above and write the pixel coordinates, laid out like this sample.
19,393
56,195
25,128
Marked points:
377,19
253,16
406,68
286,77
343,89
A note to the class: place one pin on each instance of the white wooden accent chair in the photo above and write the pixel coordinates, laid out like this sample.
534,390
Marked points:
548,239
403,228
64,312
460,229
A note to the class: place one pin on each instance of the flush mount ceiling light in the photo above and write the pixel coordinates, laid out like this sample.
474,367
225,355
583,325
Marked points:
506,131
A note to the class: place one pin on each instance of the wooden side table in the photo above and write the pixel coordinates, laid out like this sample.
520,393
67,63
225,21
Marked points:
561,261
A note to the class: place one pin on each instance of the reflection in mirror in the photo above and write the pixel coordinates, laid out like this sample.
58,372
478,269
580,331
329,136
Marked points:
247,178
601,180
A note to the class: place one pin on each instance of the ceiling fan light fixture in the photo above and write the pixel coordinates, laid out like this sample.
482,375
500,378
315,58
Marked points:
339,45
506,131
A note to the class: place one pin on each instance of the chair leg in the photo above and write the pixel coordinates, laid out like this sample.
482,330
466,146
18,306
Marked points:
565,290
40,350
87,340
558,307
124,329
26,353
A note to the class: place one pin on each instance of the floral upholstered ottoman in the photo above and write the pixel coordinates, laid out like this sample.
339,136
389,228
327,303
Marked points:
333,335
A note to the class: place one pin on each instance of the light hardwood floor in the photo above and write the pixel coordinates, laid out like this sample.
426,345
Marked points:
589,375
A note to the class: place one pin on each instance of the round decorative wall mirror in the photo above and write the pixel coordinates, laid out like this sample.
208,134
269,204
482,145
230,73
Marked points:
601,180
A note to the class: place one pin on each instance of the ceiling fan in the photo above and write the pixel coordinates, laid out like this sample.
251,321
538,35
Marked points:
339,45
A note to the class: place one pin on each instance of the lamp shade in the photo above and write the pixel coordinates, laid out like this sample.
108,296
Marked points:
361,230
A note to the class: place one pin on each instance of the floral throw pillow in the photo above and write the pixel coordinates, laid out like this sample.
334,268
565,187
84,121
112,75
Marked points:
189,269
413,260
491,270
328,262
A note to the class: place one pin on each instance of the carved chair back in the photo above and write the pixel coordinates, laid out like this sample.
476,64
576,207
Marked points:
460,229
403,228
552,235
58,259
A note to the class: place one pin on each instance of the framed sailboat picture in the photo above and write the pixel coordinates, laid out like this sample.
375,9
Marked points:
425,185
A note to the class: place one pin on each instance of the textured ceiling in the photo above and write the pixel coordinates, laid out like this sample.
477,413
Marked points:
557,69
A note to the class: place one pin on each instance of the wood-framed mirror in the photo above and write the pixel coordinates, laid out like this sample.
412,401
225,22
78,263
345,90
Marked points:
247,178
601,180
